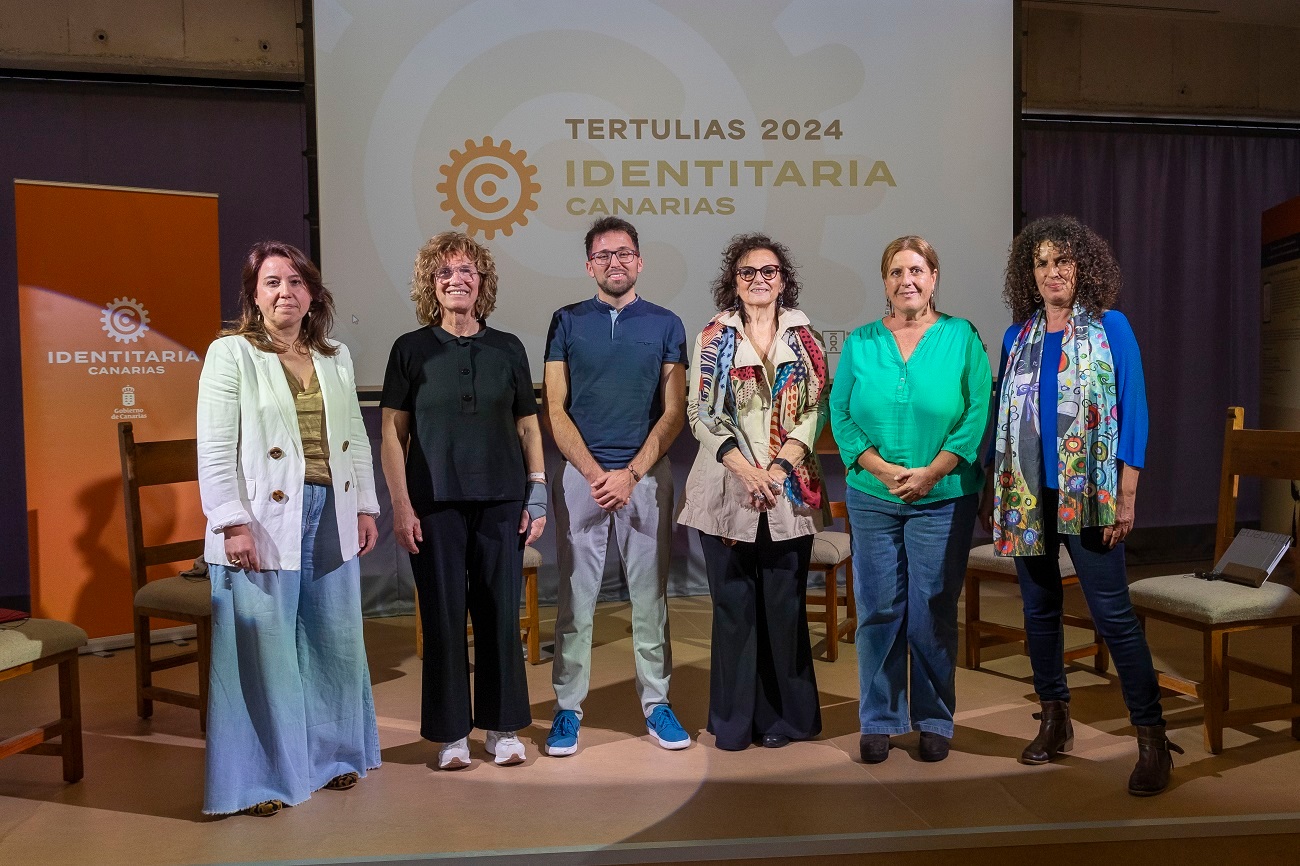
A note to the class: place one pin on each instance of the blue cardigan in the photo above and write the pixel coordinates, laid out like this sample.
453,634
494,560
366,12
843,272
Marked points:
1130,384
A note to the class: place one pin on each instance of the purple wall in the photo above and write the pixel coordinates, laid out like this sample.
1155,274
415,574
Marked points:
244,144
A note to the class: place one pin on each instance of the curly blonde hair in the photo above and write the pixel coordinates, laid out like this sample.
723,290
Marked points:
433,255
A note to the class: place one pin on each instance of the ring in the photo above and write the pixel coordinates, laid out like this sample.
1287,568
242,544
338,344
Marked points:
234,560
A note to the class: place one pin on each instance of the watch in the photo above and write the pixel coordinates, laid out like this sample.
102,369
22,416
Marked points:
784,464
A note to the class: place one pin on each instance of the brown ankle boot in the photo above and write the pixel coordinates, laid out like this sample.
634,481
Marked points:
1055,734
1151,775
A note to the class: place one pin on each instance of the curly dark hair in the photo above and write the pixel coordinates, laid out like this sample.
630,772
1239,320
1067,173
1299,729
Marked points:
1096,274
316,324
725,296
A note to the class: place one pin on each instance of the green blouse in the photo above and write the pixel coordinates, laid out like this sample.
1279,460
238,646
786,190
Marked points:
938,400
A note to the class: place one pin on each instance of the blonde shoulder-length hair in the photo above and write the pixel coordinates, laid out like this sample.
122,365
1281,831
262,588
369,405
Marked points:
432,256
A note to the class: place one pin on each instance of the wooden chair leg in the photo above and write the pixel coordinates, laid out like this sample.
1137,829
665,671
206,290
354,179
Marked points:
1101,661
70,714
1213,679
530,608
1227,676
143,667
204,649
972,616
832,614
1295,678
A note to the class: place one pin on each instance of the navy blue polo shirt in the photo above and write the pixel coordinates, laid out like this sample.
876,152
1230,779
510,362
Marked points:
615,358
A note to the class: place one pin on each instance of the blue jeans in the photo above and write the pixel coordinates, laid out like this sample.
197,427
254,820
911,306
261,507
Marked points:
909,562
1104,582
289,702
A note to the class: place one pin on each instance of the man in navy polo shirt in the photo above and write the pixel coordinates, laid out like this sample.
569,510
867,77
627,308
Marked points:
615,399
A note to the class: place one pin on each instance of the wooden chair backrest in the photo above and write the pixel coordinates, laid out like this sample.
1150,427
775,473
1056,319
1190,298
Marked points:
1258,453
148,464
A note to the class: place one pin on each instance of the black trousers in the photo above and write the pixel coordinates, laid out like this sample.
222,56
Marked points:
472,558
761,679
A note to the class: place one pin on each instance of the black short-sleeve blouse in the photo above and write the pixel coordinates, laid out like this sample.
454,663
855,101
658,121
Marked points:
464,395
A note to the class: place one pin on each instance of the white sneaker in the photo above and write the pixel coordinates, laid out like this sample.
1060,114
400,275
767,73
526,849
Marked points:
454,755
505,748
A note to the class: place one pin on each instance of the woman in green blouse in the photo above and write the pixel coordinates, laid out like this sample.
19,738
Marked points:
908,407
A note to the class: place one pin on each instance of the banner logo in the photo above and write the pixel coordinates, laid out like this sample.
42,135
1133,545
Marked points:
488,188
125,320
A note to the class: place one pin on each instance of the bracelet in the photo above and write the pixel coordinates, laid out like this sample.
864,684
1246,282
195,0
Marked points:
786,465
636,476
537,476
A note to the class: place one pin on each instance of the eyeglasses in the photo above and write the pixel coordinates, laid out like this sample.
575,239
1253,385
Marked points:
465,272
769,272
625,256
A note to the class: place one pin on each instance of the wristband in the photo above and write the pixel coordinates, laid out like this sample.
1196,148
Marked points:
537,476
535,500
636,476
785,465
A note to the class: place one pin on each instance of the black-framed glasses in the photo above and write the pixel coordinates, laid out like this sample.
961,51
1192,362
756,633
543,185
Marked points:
769,272
625,255
465,272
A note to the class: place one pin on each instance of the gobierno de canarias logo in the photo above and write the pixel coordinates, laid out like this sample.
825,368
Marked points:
488,188
125,320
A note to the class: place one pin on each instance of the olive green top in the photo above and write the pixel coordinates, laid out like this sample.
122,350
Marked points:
310,406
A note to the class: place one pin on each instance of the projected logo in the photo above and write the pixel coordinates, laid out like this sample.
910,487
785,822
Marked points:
488,188
125,320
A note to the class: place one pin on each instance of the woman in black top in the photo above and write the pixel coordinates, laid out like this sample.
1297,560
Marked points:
462,455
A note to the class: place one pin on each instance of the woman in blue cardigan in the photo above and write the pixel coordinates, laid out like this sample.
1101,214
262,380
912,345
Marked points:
1069,441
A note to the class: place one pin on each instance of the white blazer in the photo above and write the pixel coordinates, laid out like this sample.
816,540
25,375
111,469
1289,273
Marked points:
251,465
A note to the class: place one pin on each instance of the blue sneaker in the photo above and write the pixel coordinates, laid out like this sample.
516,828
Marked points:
665,728
563,739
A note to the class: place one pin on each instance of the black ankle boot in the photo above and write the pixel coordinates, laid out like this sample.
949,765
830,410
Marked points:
1151,774
1055,734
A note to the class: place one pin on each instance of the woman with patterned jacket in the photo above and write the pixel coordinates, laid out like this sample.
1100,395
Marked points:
755,494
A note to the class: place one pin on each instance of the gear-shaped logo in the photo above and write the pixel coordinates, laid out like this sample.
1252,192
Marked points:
488,188
125,320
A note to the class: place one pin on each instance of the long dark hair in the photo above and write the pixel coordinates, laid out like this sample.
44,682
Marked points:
1097,278
316,324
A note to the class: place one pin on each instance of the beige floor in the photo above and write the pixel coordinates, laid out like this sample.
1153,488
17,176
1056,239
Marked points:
623,799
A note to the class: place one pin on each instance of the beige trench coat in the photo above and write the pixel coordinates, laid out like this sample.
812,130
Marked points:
715,500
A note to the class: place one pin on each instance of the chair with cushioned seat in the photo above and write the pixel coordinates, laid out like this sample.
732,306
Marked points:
832,552
1217,609
985,565
528,621
32,644
178,598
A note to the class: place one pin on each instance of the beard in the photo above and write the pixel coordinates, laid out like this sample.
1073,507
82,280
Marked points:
618,290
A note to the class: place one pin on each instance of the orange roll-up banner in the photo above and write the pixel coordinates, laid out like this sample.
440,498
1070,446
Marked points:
119,296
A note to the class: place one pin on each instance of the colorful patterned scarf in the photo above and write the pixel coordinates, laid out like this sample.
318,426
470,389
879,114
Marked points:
797,390
1086,471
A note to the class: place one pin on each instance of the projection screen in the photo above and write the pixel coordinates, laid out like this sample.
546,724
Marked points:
834,127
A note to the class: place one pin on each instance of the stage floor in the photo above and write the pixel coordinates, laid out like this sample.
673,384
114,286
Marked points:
622,799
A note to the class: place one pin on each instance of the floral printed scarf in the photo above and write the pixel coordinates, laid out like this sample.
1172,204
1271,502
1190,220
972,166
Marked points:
797,390
1086,471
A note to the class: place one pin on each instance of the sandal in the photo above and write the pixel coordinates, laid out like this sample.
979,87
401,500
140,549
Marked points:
265,809
341,783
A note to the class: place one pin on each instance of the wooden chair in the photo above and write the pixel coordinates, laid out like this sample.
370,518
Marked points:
832,552
530,631
1216,609
985,565
28,646
147,464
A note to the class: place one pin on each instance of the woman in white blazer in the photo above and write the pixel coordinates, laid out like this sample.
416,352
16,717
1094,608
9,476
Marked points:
288,489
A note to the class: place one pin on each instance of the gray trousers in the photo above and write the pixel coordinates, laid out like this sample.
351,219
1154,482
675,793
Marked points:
643,533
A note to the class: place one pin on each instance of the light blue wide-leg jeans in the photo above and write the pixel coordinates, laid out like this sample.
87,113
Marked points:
289,700
909,562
